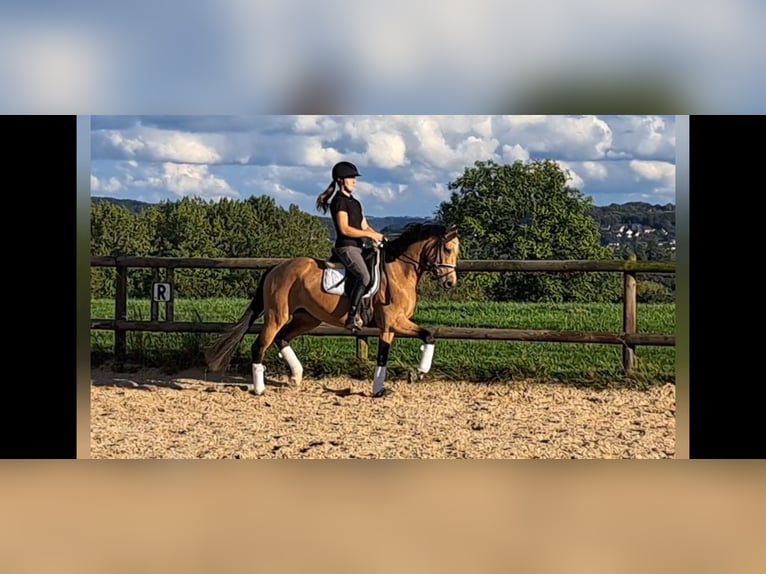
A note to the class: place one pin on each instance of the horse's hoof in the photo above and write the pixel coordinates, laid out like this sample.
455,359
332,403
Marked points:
384,392
412,376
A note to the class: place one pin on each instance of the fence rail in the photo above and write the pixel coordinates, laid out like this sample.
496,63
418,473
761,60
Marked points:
473,265
629,338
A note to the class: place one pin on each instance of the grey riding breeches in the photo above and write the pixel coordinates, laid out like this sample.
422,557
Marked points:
352,259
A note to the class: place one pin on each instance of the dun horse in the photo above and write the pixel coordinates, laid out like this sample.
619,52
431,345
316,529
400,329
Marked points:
294,300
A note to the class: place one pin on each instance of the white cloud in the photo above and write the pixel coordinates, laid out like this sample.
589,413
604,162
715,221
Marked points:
659,171
587,136
482,126
440,192
282,192
523,121
512,153
643,137
386,150
182,148
447,142
162,145
307,124
474,148
573,179
327,127
111,185
385,194
595,170
185,180
432,146
566,137
314,153
662,174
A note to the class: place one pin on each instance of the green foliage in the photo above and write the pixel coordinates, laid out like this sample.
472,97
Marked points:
192,227
528,212
115,231
653,292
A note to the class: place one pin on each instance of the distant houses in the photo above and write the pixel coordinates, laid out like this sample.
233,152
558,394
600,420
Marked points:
627,231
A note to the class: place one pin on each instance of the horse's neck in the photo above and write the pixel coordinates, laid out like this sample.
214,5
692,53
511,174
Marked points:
405,271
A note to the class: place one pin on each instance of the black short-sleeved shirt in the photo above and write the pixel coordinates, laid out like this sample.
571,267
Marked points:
350,205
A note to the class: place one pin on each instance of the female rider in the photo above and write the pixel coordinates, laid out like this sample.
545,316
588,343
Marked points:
350,228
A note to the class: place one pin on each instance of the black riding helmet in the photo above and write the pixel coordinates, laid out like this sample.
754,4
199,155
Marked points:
344,169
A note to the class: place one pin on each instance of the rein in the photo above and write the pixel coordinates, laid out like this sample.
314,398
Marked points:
432,268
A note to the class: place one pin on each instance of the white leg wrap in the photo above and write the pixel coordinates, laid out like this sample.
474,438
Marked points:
258,383
426,357
292,361
380,378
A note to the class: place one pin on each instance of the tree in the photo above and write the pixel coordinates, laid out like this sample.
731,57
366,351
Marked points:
114,231
183,229
528,212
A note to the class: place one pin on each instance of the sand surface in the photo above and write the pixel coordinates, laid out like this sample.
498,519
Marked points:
192,415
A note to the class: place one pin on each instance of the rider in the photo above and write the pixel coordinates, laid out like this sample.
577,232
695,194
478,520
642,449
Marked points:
350,228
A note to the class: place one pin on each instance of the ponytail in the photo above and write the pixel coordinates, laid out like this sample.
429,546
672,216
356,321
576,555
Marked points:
323,200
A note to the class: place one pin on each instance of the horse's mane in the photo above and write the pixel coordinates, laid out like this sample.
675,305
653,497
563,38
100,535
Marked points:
412,233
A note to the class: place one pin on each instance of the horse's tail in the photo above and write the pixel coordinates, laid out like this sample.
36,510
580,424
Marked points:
219,355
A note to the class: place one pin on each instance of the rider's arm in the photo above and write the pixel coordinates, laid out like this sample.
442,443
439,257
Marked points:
366,226
348,231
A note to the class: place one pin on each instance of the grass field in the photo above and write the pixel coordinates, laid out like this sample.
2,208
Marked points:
464,360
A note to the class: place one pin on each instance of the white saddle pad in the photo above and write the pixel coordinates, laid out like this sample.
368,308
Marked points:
334,281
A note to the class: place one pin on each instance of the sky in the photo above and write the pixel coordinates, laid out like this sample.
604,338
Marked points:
406,161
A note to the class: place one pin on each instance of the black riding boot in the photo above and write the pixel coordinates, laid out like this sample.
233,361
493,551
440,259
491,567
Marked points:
356,298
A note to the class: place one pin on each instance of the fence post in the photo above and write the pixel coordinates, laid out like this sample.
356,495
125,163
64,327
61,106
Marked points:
155,306
361,348
169,309
120,311
629,318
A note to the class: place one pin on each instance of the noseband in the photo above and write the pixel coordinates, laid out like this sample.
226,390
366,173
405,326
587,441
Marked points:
437,269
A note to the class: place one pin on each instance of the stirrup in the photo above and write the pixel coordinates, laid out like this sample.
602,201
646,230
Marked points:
353,324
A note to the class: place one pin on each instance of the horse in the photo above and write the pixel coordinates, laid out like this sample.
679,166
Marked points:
293,300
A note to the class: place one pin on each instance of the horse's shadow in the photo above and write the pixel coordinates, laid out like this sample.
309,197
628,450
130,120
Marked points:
347,392
144,385
126,381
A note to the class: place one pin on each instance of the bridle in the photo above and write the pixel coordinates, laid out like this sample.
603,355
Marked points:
437,268
433,266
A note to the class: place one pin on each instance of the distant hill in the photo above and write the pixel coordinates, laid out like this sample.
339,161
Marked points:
385,225
639,213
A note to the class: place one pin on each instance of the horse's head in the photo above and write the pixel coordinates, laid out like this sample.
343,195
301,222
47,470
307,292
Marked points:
429,248
441,259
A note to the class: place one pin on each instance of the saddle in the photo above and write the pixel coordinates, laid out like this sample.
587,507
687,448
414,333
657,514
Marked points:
336,281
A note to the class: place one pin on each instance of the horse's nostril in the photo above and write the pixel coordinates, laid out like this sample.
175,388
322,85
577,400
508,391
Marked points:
448,284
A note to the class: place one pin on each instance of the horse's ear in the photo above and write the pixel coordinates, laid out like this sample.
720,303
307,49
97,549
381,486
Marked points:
451,233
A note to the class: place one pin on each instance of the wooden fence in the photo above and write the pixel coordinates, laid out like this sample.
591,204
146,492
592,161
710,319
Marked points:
629,338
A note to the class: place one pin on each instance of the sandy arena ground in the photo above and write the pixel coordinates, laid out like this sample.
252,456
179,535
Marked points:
150,415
